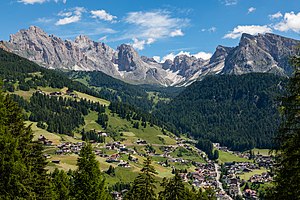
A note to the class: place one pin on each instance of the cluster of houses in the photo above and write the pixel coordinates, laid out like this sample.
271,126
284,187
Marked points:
56,94
240,167
69,148
115,158
232,184
43,140
264,161
204,176
261,178
250,194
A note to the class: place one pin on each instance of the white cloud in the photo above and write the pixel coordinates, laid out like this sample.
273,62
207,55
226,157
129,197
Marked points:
64,1
44,20
251,10
64,14
202,55
39,1
32,1
156,58
140,44
230,2
253,30
276,15
104,38
68,20
177,32
72,16
152,25
103,15
211,29
291,21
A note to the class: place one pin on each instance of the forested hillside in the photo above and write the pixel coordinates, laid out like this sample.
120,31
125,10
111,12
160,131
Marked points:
116,90
238,111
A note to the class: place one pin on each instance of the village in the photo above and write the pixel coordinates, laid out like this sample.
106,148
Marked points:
223,178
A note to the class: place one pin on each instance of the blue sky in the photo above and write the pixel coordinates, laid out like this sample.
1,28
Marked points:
155,27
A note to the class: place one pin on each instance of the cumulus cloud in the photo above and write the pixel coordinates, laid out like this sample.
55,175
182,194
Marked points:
72,16
251,10
171,56
253,30
291,21
103,15
147,27
140,44
177,32
276,15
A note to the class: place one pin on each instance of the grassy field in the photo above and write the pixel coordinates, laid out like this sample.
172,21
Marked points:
187,155
229,157
94,99
56,139
90,122
25,94
264,152
246,176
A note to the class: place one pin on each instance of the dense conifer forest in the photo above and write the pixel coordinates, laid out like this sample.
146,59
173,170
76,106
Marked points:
240,112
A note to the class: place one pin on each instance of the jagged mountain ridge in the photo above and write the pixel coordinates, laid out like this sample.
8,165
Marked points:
266,53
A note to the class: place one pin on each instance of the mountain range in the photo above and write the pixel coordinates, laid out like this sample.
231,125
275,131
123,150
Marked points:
267,53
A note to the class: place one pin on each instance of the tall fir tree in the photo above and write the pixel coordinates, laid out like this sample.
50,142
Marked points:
88,180
287,172
61,184
174,189
22,165
143,187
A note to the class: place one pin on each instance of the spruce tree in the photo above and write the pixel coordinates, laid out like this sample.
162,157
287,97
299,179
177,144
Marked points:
287,172
174,189
144,184
22,165
61,185
88,180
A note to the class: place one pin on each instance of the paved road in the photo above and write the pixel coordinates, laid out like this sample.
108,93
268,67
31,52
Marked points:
226,197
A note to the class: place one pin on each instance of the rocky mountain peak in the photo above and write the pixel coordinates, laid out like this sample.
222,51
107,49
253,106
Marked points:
267,53
128,58
82,39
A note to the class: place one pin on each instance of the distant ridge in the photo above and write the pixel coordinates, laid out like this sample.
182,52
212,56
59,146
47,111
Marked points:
266,53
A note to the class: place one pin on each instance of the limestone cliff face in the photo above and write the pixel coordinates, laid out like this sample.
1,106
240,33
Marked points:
267,53
53,52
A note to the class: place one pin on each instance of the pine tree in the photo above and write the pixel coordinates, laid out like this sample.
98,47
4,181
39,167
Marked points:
144,185
88,180
174,189
216,155
61,185
287,176
22,166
